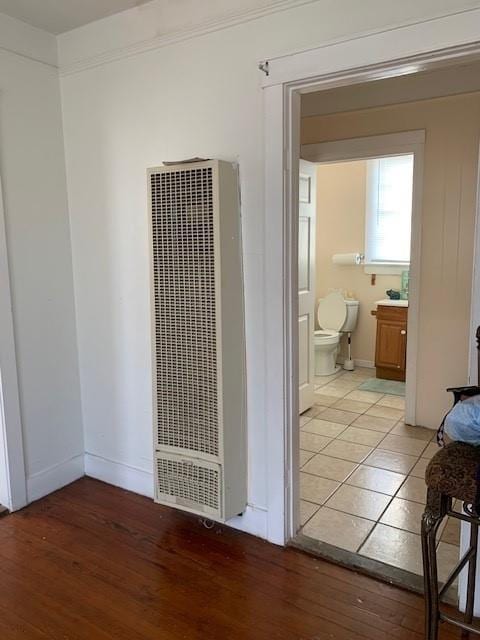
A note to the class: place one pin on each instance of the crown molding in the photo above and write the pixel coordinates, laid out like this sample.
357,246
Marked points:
37,59
20,39
217,24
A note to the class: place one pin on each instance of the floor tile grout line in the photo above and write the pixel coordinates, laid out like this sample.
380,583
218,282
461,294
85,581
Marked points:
406,476
417,457
382,396
358,464
362,544
374,522
313,514
356,515
389,433
362,413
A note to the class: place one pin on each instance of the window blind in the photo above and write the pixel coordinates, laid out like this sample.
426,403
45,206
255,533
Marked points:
389,209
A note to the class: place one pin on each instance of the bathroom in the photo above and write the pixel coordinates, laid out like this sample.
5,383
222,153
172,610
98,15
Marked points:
361,459
352,250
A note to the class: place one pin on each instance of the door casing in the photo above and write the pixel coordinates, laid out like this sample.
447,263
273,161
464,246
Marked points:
13,492
371,57
363,148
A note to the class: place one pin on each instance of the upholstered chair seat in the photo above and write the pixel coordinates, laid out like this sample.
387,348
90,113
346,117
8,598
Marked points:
453,471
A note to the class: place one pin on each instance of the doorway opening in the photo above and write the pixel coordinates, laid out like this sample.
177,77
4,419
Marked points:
359,200
366,434
359,252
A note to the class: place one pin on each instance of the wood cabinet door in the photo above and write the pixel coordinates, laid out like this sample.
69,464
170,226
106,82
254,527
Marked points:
391,345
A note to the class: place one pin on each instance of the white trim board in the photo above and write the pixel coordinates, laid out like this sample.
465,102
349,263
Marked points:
474,355
366,147
21,39
137,480
253,521
181,35
399,50
119,474
13,493
74,60
362,148
59,475
368,58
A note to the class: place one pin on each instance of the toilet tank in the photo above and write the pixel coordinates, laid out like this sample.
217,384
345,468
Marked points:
352,316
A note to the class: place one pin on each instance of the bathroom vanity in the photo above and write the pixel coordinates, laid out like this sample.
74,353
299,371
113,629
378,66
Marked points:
391,340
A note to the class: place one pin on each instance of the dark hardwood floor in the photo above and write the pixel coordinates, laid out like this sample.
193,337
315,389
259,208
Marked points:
93,561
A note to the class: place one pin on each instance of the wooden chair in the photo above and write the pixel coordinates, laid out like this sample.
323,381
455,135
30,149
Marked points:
452,474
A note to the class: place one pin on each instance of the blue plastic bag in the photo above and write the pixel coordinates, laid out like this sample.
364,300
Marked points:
463,422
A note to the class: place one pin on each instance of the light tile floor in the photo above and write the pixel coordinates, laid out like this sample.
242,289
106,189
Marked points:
361,475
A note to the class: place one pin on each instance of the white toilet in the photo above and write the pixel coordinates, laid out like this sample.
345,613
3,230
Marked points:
335,316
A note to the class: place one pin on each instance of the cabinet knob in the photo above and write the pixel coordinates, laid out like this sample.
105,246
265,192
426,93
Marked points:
403,332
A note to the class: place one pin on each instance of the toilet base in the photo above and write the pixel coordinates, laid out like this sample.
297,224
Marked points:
336,370
326,360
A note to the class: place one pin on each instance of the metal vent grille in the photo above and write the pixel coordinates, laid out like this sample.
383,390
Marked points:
192,484
185,315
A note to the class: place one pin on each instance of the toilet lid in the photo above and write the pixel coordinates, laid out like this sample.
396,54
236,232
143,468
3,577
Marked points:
332,311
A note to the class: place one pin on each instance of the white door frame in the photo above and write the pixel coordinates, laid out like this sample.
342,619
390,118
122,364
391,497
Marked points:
473,364
377,146
13,493
409,49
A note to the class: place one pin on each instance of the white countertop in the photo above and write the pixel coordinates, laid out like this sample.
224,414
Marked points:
392,303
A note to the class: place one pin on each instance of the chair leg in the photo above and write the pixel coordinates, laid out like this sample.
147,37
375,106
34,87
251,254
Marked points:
472,570
435,511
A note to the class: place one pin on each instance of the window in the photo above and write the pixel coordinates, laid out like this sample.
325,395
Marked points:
389,210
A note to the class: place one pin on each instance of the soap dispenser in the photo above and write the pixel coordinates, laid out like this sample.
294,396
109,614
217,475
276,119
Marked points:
404,285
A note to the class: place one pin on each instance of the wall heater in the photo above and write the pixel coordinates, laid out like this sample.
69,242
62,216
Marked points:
198,339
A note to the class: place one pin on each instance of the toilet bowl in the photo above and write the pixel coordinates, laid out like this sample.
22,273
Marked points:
326,350
335,315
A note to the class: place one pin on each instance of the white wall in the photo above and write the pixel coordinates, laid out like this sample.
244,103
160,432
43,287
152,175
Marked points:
132,107
38,240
